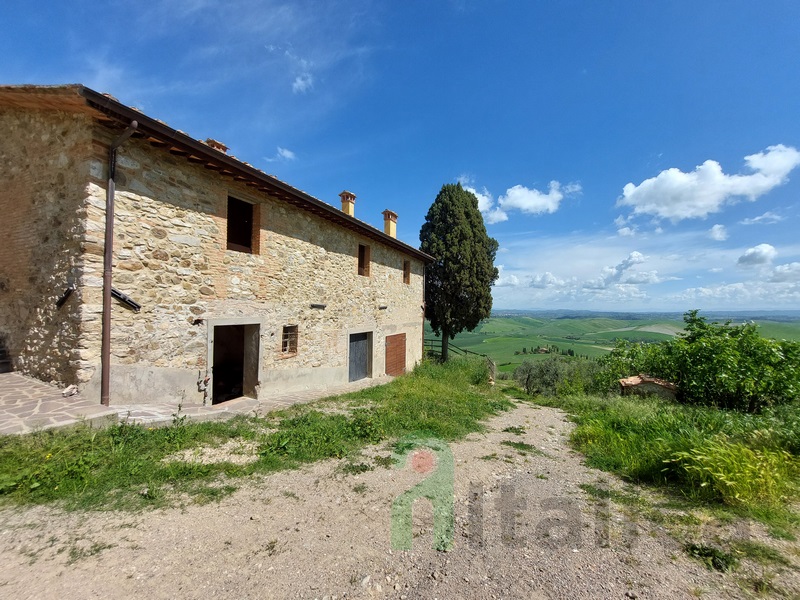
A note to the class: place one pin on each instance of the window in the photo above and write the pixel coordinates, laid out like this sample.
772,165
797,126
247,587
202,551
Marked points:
289,340
242,226
363,260
406,271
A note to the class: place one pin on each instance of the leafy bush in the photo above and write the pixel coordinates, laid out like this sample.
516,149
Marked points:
557,375
722,365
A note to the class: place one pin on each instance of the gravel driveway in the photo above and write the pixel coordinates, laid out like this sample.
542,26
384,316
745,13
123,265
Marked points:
528,524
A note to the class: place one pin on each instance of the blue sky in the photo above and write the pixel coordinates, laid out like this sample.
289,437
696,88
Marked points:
626,155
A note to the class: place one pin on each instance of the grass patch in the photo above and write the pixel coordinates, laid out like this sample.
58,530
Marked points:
516,430
603,493
760,553
354,468
123,467
745,462
523,448
387,462
713,558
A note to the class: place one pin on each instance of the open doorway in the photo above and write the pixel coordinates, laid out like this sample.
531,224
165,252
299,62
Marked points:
235,361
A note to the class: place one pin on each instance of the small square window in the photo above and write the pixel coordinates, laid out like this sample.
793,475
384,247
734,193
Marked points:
289,340
363,260
241,226
406,271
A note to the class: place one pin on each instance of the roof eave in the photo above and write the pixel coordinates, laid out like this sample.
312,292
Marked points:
150,127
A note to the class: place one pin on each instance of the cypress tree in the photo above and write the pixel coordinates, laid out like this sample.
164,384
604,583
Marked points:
458,284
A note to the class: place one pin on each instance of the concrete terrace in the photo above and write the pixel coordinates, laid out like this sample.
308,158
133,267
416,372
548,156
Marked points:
28,405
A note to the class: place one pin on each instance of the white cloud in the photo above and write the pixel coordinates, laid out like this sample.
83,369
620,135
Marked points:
287,154
676,195
612,275
546,280
768,218
718,233
786,273
626,231
643,277
496,215
759,255
533,201
281,154
505,280
741,294
485,200
302,83
519,197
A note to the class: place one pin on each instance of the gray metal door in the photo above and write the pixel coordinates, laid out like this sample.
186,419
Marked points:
360,354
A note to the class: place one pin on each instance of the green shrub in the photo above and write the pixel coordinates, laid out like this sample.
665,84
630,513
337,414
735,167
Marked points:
557,376
722,365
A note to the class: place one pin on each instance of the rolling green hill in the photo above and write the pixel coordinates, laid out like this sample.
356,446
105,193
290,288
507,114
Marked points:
503,338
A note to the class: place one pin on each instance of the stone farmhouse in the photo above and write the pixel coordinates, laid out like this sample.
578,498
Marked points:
223,280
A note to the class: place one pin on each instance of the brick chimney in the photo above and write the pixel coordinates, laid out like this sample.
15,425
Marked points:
348,203
390,223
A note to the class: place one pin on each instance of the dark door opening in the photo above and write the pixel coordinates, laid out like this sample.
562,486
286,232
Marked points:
360,356
235,367
5,357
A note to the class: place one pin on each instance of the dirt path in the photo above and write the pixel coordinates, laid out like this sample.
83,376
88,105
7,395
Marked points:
523,529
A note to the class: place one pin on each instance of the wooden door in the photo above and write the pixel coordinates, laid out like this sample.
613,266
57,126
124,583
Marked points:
396,354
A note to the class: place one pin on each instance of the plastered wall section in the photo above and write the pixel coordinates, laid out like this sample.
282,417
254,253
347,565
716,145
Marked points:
171,257
44,158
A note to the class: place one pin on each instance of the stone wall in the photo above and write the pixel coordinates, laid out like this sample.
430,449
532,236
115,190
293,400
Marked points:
43,172
171,257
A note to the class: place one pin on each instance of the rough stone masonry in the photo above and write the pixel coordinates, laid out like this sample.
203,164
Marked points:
295,294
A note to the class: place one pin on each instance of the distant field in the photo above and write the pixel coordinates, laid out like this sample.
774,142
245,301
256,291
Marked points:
504,338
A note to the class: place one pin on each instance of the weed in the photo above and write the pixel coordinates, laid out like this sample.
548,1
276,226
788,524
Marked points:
491,456
714,558
736,473
523,448
515,430
360,488
603,493
271,547
290,494
760,553
77,552
764,584
351,468
384,461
